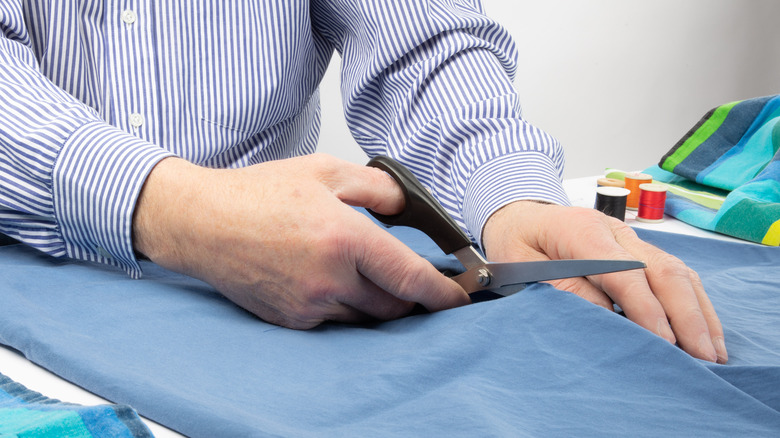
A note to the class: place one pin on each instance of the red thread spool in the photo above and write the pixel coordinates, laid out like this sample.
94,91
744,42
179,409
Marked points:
633,181
652,200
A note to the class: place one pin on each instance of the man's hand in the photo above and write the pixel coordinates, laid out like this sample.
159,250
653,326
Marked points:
667,298
280,240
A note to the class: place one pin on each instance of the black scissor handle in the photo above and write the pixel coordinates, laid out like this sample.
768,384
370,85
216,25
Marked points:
421,211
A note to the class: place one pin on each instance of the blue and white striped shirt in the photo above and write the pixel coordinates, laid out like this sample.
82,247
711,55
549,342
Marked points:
95,93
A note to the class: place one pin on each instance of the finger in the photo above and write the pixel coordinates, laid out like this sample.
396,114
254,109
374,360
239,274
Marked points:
713,322
670,282
582,287
348,297
579,286
628,289
340,312
631,291
399,271
374,302
362,186
299,316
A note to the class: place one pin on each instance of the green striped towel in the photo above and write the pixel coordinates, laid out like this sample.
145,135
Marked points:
26,413
724,174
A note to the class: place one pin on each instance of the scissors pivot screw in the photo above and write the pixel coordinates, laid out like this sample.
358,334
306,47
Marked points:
483,277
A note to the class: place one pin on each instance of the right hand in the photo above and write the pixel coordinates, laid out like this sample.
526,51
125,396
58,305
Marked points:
280,240
667,297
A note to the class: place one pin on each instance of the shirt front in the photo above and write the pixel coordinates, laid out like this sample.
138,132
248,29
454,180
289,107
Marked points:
96,93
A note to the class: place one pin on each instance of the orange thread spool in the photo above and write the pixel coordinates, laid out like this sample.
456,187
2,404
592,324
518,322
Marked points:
652,201
633,181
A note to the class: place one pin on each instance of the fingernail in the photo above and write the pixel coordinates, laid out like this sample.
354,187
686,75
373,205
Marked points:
707,349
720,348
663,330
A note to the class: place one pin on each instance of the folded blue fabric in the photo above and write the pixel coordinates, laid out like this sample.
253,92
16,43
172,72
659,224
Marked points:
26,413
539,363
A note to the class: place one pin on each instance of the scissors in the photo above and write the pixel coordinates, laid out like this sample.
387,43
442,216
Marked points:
423,212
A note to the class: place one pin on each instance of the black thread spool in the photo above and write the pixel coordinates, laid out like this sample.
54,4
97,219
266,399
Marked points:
612,201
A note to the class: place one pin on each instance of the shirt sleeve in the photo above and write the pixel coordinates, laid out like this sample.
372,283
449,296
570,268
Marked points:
429,83
69,180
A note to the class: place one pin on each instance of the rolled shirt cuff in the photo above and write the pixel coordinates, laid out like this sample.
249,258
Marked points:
514,177
97,178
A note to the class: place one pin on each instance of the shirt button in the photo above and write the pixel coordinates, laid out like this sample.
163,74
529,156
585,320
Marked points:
136,120
128,16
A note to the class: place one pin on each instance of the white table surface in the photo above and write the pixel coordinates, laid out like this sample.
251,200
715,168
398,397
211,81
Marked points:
581,192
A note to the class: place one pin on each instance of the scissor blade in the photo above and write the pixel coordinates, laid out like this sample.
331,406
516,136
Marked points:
504,278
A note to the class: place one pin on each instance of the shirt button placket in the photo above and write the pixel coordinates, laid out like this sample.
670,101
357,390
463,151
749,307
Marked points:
129,17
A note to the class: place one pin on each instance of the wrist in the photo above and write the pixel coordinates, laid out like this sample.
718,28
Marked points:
513,219
160,209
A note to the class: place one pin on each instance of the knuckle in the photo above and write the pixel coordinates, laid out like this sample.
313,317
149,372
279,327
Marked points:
620,229
585,215
331,242
320,159
284,308
589,225
685,314
314,289
304,311
410,276
591,229
322,166
328,244
588,220
667,266
695,279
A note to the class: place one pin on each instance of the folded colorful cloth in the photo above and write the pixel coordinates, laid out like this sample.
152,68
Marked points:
26,413
724,174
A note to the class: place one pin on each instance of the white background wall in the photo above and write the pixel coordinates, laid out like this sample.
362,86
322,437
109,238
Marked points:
618,82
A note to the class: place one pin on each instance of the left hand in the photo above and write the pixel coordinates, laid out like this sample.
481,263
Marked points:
280,240
666,298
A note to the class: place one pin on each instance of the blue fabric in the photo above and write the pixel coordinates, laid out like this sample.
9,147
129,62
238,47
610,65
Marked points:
539,363
26,413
